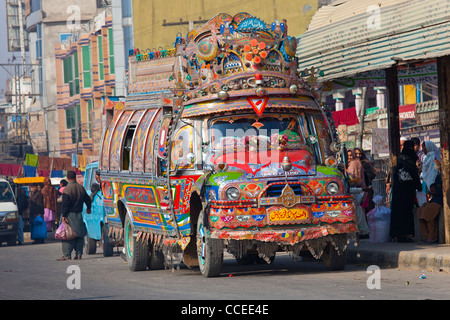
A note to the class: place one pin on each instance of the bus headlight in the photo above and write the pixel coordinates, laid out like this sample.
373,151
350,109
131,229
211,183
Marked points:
332,188
232,193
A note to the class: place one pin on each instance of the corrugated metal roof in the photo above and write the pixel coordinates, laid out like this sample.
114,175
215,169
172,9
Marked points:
343,41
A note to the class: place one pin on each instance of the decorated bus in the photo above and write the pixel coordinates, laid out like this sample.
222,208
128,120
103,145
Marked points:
221,145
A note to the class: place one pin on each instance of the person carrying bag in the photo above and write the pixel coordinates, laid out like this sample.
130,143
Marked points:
74,196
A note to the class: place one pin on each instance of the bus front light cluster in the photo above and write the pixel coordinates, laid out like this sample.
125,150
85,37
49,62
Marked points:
332,188
233,193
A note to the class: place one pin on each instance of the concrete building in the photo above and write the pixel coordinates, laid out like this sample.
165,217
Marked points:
49,22
84,74
157,23
90,66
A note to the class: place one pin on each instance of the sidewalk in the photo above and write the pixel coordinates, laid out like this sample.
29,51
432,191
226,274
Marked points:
401,255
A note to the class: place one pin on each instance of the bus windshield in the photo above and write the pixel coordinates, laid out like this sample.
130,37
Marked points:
252,133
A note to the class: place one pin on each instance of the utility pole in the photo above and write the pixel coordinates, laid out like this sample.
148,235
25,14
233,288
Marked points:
22,52
443,66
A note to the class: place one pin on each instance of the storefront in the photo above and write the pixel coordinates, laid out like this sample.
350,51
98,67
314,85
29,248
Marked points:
391,58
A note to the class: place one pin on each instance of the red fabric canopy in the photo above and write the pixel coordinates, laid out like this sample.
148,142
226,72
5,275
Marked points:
346,116
10,169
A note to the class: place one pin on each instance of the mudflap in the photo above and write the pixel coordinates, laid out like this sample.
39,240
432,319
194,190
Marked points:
190,258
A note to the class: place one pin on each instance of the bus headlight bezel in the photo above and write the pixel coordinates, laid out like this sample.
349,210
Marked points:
233,193
332,188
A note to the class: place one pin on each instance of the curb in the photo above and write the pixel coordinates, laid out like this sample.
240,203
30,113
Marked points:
425,261
432,258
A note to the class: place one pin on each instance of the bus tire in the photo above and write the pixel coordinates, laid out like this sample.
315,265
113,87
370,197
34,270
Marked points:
107,245
90,245
332,259
209,251
136,252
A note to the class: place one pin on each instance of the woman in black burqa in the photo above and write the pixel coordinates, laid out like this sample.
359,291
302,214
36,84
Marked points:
405,183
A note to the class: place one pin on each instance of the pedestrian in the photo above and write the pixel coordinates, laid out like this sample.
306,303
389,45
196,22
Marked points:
95,188
404,185
50,195
62,185
355,171
429,212
419,151
369,171
36,209
369,175
72,205
388,177
431,163
22,205
98,178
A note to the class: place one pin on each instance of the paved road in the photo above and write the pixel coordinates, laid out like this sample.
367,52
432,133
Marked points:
32,272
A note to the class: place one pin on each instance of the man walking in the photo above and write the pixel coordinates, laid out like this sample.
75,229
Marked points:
73,197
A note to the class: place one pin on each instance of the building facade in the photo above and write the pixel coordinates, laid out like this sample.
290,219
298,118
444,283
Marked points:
85,74
156,23
49,22
90,69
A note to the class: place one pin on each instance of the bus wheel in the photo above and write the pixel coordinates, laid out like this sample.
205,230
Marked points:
90,245
136,252
107,245
332,259
209,251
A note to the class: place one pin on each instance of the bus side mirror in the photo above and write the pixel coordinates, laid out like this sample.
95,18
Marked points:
335,147
174,171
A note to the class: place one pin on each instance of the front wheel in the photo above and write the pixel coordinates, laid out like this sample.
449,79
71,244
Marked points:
209,251
107,245
90,245
332,259
136,252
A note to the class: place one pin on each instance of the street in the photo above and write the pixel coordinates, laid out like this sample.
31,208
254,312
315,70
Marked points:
32,272
200,122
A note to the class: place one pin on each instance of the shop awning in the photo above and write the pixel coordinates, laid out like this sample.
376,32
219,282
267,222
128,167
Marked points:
354,36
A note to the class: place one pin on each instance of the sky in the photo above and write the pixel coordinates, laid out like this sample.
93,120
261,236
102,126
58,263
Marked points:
4,54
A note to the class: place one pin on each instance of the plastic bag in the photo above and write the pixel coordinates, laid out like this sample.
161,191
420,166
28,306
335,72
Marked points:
379,221
70,233
60,233
38,229
65,232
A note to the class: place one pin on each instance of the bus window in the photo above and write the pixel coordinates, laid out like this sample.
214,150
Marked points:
181,147
161,152
126,153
